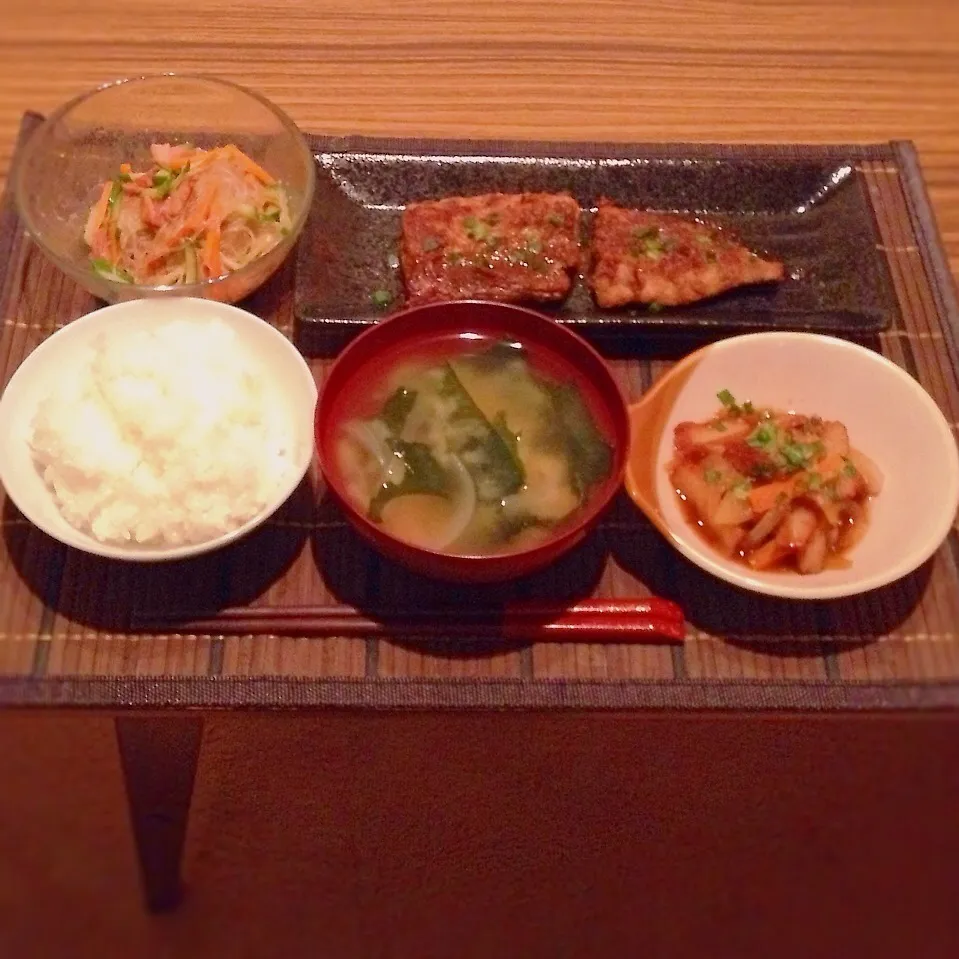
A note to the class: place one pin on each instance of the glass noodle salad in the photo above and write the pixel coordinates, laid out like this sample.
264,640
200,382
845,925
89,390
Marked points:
194,215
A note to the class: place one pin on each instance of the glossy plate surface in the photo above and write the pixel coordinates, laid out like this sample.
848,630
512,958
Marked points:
808,206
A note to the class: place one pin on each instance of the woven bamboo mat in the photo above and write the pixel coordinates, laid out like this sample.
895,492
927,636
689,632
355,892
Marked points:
64,616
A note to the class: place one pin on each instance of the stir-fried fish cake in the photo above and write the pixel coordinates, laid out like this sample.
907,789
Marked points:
771,488
641,257
498,246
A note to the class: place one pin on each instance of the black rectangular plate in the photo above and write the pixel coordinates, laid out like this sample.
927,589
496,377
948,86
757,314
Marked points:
808,206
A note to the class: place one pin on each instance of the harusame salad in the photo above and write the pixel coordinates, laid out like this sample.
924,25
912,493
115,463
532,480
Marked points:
194,215
774,489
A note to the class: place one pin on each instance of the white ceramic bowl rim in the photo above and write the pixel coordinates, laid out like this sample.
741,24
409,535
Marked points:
295,370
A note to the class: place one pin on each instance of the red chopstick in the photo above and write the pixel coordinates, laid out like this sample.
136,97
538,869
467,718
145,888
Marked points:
652,620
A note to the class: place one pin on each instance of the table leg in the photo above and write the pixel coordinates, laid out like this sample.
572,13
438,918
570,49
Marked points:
159,758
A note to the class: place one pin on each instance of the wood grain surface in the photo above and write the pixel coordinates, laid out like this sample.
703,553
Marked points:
729,70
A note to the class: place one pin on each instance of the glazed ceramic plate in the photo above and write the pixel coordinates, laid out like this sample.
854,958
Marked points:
889,417
808,206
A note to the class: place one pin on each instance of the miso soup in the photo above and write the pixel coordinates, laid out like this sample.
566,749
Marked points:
472,445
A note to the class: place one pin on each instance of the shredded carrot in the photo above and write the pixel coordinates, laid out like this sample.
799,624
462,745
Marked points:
98,213
212,263
249,165
148,210
767,555
114,246
763,498
203,158
200,214
829,465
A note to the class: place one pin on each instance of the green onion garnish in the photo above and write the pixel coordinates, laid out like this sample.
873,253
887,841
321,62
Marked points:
761,437
475,229
532,242
800,455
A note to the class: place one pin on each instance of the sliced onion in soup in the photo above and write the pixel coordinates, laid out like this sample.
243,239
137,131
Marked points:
430,520
366,436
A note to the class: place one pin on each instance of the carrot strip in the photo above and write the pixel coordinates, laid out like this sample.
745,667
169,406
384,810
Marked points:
98,213
829,465
212,263
202,158
249,165
114,239
206,195
767,556
148,210
763,498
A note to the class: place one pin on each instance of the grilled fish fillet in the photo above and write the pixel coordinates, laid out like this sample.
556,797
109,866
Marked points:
640,257
497,246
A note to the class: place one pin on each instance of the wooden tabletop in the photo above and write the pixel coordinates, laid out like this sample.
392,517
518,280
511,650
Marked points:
727,70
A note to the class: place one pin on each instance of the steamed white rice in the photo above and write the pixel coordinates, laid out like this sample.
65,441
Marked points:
163,437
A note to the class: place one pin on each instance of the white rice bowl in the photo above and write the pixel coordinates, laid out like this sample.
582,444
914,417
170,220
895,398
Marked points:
162,432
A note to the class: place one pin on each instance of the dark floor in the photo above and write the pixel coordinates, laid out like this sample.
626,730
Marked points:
452,837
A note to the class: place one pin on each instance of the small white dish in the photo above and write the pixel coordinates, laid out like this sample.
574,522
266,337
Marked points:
36,374
889,416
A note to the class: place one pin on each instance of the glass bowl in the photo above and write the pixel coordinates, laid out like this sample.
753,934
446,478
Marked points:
62,168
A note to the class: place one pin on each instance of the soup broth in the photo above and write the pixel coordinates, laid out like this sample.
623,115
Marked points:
471,445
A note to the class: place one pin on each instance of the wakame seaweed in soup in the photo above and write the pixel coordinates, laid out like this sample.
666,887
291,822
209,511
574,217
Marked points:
471,446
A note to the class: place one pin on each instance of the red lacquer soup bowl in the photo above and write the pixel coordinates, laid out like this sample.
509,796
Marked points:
359,379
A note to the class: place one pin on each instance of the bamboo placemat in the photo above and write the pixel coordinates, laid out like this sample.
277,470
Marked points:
64,616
